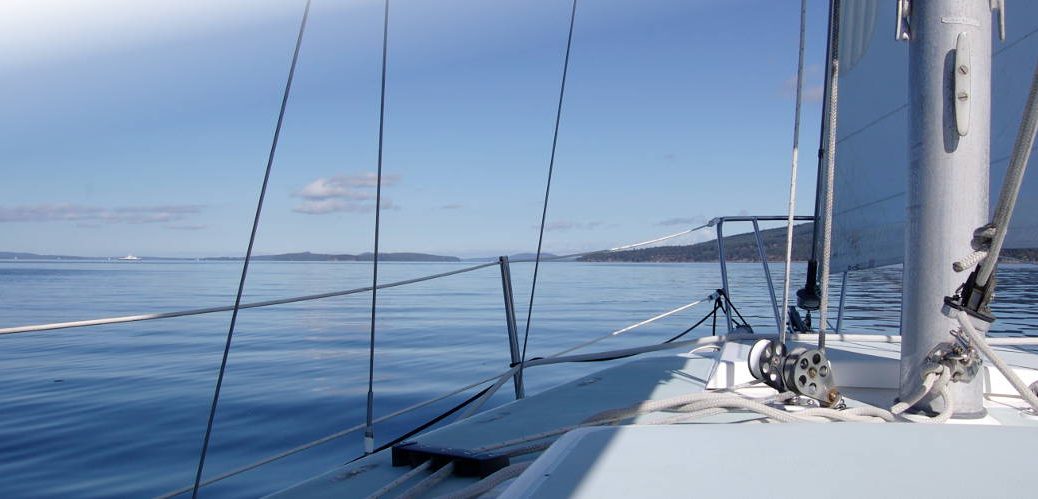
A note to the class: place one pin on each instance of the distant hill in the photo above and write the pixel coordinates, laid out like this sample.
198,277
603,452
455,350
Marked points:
737,248
1024,255
517,256
305,256
12,255
743,248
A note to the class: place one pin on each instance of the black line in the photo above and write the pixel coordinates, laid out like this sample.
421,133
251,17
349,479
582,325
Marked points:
248,253
547,189
369,429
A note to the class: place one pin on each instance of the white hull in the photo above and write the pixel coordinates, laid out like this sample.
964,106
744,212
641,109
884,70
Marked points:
700,456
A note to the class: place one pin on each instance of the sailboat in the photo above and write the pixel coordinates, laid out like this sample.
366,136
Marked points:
919,123
903,179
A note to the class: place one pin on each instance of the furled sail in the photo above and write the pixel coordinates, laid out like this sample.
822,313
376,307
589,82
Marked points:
869,204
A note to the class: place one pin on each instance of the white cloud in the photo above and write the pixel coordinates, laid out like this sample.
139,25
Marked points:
91,216
345,186
343,193
814,84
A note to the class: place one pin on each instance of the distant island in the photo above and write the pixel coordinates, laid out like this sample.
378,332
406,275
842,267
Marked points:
305,256
738,248
743,248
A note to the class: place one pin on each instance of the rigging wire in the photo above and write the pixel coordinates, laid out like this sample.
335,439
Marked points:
830,171
248,253
793,173
369,425
547,189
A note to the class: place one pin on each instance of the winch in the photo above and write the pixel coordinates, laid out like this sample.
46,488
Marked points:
804,371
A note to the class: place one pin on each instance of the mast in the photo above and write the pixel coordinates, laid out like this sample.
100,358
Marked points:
947,193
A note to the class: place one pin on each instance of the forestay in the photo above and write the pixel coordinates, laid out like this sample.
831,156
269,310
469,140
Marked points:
872,147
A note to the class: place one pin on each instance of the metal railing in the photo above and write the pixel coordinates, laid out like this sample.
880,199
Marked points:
718,223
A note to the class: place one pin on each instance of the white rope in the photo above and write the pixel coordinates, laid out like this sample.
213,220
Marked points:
682,418
977,340
659,239
210,310
681,402
389,487
428,483
928,384
489,483
827,217
793,173
477,404
711,297
970,261
619,248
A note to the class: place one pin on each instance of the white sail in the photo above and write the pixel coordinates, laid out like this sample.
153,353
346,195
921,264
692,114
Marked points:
1013,68
869,209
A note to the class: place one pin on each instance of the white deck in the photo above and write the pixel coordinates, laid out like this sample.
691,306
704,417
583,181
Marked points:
865,372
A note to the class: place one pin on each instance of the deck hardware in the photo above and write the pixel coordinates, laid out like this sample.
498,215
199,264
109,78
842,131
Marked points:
466,463
902,30
806,372
765,363
962,84
513,331
797,323
999,6
957,356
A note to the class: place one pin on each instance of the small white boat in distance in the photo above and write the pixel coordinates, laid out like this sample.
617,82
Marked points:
129,258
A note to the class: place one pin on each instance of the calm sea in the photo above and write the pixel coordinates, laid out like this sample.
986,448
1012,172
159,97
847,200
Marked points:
120,410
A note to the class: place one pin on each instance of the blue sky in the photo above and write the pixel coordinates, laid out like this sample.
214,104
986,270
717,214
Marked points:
143,126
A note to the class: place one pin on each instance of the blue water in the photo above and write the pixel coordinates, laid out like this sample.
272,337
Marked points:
120,410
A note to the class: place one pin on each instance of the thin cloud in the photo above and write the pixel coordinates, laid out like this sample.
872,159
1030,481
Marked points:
90,216
452,206
342,194
814,85
186,226
564,225
681,221
326,206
